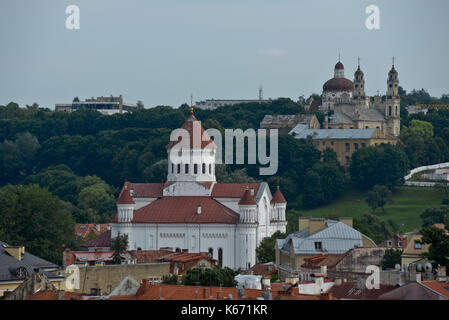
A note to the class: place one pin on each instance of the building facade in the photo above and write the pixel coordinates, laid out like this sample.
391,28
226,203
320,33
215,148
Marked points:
105,105
192,212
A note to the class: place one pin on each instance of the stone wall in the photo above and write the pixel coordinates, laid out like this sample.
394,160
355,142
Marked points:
103,279
357,259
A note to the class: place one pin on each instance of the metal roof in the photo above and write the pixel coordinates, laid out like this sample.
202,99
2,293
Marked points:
32,264
336,238
299,132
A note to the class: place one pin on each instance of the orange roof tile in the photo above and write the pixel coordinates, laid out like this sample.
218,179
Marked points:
53,295
125,196
440,287
278,197
247,199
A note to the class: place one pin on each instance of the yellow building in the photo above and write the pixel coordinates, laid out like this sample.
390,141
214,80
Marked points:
343,141
317,236
286,122
16,266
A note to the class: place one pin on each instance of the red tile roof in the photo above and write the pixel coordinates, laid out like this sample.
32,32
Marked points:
267,269
247,199
233,190
196,132
83,230
441,287
53,295
150,256
125,196
329,260
103,240
278,197
146,190
187,257
184,210
349,290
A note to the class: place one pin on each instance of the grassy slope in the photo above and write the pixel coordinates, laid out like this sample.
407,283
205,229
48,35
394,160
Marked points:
408,204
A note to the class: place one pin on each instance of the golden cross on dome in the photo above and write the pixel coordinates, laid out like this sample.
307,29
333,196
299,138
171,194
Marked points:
393,60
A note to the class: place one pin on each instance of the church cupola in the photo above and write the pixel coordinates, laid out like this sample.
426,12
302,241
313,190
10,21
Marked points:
125,206
339,70
247,208
191,153
279,206
359,83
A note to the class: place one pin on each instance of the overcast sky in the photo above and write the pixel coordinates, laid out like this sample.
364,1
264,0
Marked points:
160,51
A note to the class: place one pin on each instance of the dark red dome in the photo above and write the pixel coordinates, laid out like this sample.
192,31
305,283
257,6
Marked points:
338,84
339,66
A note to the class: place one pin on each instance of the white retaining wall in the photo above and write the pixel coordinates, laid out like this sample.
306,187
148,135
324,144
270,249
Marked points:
424,168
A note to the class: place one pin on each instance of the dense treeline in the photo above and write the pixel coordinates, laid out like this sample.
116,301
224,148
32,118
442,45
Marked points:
77,162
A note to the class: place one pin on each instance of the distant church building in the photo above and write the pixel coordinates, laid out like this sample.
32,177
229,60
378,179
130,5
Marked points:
349,108
192,212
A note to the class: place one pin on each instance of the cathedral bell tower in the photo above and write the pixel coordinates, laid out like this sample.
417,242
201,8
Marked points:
392,105
359,84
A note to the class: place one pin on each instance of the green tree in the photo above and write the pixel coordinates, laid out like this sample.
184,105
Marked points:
439,246
379,197
34,218
379,165
375,228
210,277
119,244
432,216
266,250
391,258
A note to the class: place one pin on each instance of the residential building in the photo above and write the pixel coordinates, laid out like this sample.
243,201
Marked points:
425,290
88,230
343,141
317,236
16,266
358,291
100,242
211,104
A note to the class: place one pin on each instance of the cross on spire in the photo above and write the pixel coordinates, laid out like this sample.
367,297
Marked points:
358,61
191,99
394,58
339,57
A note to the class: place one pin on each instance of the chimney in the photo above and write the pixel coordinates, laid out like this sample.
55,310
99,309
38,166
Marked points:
252,191
418,277
303,223
346,220
316,224
198,209
326,122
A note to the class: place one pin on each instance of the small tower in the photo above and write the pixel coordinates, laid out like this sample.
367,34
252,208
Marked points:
279,205
125,206
393,103
339,70
247,208
359,84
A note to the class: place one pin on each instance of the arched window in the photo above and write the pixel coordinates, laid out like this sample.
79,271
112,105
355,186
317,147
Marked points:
178,249
211,252
179,168
172,168
204,168
210,168
195,168
389,110
397,110
187,168
220,257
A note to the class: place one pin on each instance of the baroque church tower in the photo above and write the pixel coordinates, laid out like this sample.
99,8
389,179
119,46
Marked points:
392,106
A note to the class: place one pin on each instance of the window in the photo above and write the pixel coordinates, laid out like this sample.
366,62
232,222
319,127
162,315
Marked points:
204,168
179,168
390,243
363,145
220,257
211,252
186,168
195,168
332,143
324,143
172,168
318,246
348,147
348,160
418,245
356,146
210,168
389,110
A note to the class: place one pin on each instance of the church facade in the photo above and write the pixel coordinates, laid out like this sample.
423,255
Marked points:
192,212
349,108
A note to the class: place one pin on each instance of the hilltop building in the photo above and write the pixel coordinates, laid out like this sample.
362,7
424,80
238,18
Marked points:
286,122
192,212
348,106
105,105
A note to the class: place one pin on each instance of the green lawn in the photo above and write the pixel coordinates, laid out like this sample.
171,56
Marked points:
408,204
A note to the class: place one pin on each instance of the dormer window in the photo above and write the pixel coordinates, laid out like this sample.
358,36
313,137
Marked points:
318,245
418,245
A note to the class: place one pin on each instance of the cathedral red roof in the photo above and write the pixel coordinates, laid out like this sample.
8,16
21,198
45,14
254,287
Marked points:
233,190
338,84
125,197
339,66
247,199
183,209
278,197
195,137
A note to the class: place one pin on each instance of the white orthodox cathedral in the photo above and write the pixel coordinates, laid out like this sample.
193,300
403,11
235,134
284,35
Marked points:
192,212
